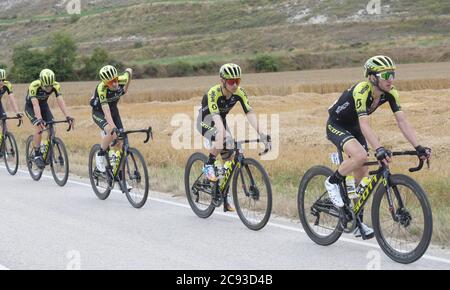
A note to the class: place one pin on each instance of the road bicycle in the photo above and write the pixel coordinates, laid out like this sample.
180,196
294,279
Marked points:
401,213
251,188
8,146
53,152
128,169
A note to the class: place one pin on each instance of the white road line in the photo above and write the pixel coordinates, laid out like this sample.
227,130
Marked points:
234,216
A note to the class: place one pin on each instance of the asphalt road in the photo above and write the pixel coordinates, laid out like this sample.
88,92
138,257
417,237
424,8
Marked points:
44,226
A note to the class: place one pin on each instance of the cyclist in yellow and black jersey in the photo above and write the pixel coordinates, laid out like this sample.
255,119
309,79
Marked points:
6,88
38,110
216,104
105,112
348,126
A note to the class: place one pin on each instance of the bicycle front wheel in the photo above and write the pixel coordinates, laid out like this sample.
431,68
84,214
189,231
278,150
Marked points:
198,188
252,194
100,182
59,162
34,171
404,231
319,217
11,154
134,178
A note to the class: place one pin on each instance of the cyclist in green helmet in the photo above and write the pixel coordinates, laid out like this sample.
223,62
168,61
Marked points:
348,126
37,109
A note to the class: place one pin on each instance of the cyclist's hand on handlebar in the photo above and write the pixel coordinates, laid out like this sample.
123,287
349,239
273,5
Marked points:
71,121
383,155
41,124
424,153
266,139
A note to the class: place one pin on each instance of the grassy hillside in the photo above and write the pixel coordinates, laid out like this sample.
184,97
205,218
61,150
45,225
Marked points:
300,34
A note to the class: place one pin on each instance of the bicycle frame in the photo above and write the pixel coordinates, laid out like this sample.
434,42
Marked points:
4,129
380,176
48,153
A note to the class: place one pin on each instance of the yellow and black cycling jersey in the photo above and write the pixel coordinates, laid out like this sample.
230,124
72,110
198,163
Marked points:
359,101
6,88
36,91
214,102
103,95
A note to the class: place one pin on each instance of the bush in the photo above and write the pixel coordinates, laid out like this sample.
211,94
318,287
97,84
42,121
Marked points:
179,69
265,63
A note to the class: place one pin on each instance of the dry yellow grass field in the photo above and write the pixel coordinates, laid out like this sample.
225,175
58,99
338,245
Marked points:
302,128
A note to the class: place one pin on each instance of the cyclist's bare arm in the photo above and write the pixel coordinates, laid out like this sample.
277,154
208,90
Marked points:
62,105
220,133
253,120
368,133
13,103
406,128
36,108
108,116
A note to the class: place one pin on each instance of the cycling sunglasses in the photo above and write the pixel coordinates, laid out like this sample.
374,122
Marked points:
111,82
387,75
2,80
233,81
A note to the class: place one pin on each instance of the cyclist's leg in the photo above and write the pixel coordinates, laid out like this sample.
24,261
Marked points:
362,171
118,122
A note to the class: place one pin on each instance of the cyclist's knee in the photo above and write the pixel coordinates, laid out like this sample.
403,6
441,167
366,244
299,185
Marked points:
360,157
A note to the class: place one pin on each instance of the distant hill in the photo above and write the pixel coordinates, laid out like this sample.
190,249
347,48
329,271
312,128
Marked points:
299,34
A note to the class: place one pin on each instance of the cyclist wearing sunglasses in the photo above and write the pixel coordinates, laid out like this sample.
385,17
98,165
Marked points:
6,87
216,104
104,107
348,126
37,109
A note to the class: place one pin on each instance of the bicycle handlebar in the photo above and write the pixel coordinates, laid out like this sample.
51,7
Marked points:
56,122
399,153
15,118
266,145
121,135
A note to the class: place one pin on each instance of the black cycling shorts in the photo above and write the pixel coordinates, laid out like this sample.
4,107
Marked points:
339,135
99,118
45,113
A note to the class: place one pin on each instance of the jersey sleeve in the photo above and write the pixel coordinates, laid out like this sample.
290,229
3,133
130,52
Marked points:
101,92
360,94
33,89
8,87
244,101
124,79
394,101
213,95
57,89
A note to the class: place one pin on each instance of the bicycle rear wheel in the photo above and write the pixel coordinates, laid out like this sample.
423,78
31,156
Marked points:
198,188
100,182
34,171
319,217
253,200
405,238
59,162
134,178
11,154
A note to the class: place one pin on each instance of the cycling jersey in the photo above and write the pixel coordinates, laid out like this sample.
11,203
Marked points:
6,88
36,91
103,95
215,103
359,101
